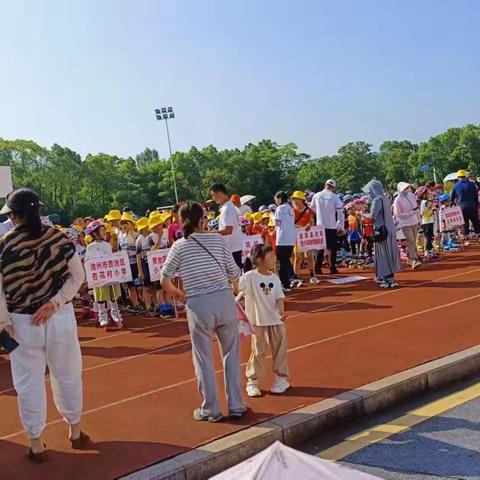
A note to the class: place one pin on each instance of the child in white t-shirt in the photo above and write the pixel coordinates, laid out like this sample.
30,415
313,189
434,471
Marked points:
264,306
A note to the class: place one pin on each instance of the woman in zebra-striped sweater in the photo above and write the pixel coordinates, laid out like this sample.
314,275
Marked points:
40,273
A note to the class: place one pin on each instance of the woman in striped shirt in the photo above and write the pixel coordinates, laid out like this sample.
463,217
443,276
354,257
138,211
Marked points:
205,265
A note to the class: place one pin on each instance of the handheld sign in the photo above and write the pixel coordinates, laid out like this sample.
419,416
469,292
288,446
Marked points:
156,260
314,239
248,243
108,269
453,217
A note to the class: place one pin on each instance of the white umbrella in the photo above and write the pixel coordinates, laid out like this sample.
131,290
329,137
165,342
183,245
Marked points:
451,177
246,198
279,462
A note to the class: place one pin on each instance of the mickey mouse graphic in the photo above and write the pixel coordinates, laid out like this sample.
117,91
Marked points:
266,288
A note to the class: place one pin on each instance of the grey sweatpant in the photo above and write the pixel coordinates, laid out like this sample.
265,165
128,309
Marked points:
207,315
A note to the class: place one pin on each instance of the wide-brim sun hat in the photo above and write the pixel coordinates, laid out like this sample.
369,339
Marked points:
113,216
142,224
402,186
421,190
128,217
257,217
462,173
299,195
265,216
165,216
155,221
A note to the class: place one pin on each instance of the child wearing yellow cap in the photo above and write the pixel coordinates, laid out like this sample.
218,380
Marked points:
127,240
143,247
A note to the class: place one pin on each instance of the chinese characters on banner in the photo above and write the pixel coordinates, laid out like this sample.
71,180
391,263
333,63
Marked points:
108,269
453,217
248,243
314,239
156,260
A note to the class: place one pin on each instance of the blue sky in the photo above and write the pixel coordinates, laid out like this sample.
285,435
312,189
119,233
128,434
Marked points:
87,74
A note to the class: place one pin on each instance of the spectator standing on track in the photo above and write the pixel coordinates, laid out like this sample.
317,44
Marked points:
387,255
465,194
40,273
205,265
286,237
229,221
406,211
328,209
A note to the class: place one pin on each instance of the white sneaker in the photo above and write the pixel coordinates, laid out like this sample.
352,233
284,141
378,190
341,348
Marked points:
281,385
253,390
103,320
416,264
314,281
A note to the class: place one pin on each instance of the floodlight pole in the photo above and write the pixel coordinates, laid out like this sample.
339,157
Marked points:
163,114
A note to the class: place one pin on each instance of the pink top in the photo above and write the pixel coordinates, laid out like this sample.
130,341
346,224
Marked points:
173,229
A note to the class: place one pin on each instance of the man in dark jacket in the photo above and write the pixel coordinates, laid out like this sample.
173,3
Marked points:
465,194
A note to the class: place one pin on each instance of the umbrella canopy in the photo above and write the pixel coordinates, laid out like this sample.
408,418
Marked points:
279,462
451,177
246,198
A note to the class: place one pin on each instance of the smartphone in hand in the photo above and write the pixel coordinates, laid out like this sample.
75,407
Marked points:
7,342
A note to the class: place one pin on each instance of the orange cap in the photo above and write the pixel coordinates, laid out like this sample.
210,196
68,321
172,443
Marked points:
235,198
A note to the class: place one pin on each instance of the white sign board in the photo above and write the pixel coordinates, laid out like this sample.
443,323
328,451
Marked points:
350,279
313,239
453,217
108,269
5,181
248,243
156,260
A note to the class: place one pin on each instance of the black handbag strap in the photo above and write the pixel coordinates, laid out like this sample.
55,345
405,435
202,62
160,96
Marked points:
208,251
301,215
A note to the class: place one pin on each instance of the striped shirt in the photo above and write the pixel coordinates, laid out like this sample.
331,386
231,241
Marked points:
127,243
199,272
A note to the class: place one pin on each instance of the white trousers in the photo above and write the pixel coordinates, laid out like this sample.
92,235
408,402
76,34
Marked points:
54,344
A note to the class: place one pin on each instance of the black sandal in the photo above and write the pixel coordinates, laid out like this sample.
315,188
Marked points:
41,457
80,443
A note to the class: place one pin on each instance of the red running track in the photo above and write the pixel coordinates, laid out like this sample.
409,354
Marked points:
140,389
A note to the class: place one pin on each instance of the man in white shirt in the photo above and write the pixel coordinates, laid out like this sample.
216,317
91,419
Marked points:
328,209
229,221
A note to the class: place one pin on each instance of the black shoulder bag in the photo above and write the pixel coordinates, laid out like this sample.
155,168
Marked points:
381,233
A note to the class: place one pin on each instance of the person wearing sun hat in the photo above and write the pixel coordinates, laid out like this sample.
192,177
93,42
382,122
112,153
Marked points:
127,239
174,230
143,247
304,218
407,213
465,194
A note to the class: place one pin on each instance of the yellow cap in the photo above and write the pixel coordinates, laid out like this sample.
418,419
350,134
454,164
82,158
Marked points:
155,221
265,216
154,213
462,173
298,194
88,239
248,215
128,217
166,216
113,215
108,228
271,223
257,217
142,224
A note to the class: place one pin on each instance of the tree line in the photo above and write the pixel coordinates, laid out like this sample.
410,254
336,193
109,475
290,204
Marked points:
72,186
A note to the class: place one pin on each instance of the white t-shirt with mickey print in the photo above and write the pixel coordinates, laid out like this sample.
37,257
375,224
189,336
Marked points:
261,294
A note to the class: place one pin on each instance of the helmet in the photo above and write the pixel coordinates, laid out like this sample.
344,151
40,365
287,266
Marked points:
349,205
262,208
298,194
462,173
213,224
421,190
347,198
95,225
444,197
272,207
